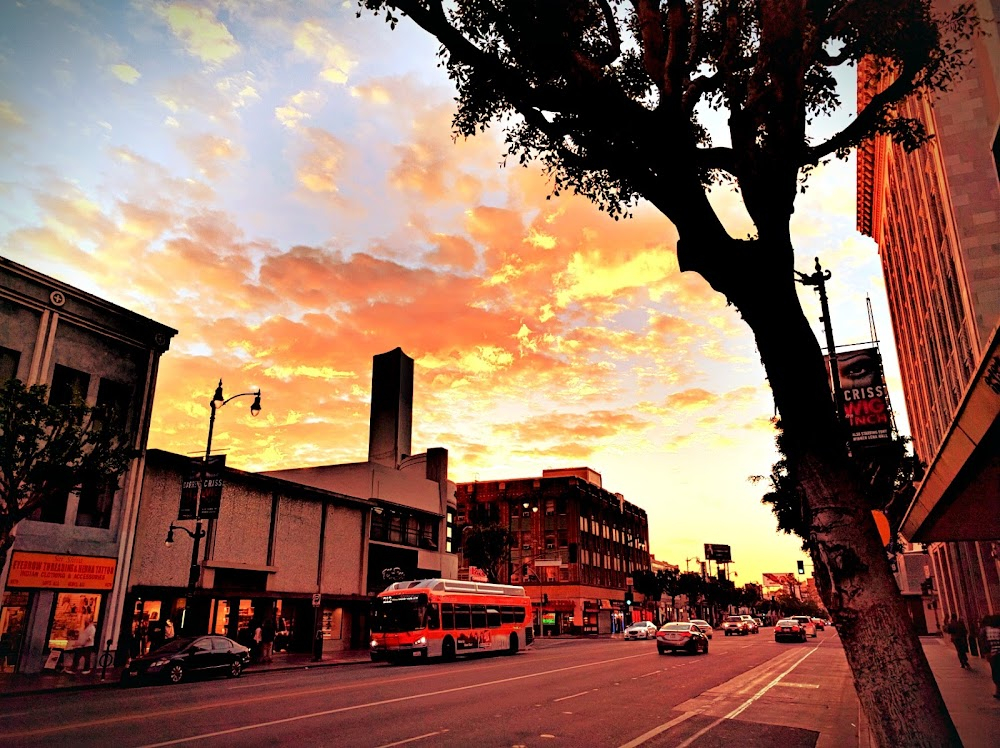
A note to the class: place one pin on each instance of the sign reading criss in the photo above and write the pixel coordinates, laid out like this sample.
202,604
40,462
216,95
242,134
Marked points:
54,572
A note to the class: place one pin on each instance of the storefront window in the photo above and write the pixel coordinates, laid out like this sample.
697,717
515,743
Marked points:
332,623
13,613
73,611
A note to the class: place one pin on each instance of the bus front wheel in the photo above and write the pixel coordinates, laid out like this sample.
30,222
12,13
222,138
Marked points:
512,649
448,649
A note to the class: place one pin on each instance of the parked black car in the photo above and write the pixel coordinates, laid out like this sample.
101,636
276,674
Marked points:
183,656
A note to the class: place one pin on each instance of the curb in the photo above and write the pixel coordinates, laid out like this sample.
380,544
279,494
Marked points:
113,682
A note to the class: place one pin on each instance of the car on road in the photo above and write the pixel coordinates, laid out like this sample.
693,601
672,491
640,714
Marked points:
681,637
184,656
788,629
807,623
752,624
735,626
705,626
641,630
819,623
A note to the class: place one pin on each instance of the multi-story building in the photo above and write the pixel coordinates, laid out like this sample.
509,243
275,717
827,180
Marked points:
308,546
577,544
70,561
935,214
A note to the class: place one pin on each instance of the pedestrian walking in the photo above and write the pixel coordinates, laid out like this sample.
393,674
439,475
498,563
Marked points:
267,633
991,636
960,638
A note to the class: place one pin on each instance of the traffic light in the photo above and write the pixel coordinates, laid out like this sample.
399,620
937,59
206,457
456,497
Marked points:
628,598
802,567
545,598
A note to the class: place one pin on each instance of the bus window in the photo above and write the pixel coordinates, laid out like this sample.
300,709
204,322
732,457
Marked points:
447,616
463,617
493,618
432,617
507,614
478,616
519,615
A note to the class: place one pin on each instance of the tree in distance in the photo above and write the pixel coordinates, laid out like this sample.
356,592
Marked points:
48,450
607,96
487,546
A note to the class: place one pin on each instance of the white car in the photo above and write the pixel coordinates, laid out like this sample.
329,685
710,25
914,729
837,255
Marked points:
641,630
807,625
705,626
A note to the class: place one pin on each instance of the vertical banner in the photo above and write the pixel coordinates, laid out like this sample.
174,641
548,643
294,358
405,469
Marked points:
865,404
211,492
189,491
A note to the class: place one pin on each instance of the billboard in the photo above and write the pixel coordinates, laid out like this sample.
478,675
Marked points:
774,582
864,406
718,553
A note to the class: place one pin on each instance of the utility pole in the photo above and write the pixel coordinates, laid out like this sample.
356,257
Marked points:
818,280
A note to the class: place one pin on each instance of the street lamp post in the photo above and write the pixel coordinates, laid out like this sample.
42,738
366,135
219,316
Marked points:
218,400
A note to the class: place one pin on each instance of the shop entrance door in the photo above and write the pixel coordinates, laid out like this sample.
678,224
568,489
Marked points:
13,614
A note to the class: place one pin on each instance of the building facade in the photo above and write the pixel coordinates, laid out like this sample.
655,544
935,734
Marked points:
278,549
70,562
935,215
576,545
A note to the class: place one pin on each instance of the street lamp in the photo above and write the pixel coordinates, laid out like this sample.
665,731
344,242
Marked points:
217,401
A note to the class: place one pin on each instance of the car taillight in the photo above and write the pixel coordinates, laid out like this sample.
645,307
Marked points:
686,633
795,628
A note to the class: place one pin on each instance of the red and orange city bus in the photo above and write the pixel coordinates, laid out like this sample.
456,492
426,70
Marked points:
447,617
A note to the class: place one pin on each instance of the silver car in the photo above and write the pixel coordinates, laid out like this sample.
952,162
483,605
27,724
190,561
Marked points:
641,630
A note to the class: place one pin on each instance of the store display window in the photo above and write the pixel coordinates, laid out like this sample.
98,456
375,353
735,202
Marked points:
72,612
13,614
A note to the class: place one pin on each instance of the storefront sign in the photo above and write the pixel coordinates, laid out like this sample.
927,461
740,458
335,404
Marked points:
53,572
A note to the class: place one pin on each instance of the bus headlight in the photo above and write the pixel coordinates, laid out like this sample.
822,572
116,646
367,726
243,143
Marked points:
421,642
373,644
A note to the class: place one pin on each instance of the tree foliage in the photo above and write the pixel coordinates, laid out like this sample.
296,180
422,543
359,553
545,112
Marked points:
487,546
48,450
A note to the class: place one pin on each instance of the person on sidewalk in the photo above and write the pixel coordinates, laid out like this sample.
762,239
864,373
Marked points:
267,639
991,636
84,648
960,638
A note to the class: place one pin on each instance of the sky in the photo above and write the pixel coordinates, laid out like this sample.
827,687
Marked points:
279,182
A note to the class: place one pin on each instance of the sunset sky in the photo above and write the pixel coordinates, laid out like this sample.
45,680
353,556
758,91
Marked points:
278,182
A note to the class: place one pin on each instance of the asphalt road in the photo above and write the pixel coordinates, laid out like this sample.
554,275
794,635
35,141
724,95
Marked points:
746,690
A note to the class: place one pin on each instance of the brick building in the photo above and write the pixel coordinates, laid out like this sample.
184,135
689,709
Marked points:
935,214
576,547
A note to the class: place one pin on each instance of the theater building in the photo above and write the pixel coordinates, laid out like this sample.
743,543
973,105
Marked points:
935,215
70,560
577,545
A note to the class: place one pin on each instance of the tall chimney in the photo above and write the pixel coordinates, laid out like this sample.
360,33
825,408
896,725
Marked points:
391,423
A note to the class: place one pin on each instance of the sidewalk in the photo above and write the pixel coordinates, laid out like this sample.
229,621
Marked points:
968,694
47,682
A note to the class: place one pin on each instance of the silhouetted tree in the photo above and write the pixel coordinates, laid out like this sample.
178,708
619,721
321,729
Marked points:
48,450
608,96
487,546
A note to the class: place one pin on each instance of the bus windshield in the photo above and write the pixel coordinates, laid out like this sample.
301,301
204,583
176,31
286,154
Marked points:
398,613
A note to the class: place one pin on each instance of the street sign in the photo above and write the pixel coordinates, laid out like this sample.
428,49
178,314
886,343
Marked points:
316,599
542,562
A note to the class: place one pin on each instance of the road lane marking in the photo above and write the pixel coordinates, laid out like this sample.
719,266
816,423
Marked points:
746,704
564,698
733,714
298,695
411,740
661,728
799,685
258,685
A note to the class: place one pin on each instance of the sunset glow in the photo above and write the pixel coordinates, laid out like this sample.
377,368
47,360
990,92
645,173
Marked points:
279,182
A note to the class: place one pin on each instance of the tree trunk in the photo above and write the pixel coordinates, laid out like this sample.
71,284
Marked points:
894,683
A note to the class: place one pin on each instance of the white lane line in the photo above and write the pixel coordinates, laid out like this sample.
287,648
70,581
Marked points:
646,675
799,685
411,740
657,730
746,704
258,685
564,698
383,702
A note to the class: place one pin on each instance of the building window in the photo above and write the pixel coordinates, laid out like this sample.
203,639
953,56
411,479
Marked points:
450,531
9,361
378,530
395,528
412,532
68,385
97,499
